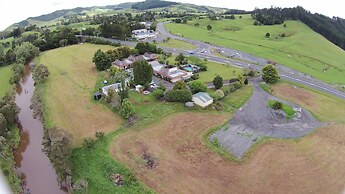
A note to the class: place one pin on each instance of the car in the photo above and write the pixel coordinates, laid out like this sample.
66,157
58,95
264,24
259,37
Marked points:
191,52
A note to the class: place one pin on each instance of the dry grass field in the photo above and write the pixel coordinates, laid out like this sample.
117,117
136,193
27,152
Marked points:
183,164
68,92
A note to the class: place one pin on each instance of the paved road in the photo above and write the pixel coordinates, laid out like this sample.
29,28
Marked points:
237,58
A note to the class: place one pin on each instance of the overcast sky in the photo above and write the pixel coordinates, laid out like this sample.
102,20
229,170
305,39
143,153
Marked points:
12,11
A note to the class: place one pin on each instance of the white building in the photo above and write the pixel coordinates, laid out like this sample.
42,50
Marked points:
202,99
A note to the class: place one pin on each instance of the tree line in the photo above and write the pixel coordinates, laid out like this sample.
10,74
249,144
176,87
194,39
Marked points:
332,29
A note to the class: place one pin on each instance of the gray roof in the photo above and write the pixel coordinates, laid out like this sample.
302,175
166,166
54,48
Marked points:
203,96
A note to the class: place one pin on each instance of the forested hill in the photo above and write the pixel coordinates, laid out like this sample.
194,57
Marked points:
151,4
332,29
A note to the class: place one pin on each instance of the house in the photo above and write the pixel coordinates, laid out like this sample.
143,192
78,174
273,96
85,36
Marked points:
202,99
172,74
150,56
124,64
116,87
143,34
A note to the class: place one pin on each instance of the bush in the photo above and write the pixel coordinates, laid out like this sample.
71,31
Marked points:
162,87
99,135
159,93
197,86
277,106
228,89
88,143
182,96
237,85
220,94
180,85
40,73
270,74
195,76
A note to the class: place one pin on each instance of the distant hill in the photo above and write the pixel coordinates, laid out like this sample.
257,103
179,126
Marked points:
151,4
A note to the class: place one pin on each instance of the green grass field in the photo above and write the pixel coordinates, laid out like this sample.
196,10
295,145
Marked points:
178,44
286,108
311,53
5,76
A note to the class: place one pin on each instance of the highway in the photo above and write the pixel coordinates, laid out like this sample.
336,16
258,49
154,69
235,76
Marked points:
244,60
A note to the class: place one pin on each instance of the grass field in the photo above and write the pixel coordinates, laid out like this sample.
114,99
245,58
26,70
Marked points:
69,89
96,165
311,53
178,44
186,165
290,112
324,107
5,76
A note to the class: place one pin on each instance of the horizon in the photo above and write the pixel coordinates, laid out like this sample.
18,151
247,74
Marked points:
54,5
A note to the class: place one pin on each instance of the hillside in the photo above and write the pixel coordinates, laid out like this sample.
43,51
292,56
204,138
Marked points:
310,52
151,5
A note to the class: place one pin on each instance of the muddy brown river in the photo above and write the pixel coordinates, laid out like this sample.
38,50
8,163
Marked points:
37,171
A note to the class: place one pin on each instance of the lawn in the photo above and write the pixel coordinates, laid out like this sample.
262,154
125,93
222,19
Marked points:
178,44
5,76
290,112
95,165
311,53
68,92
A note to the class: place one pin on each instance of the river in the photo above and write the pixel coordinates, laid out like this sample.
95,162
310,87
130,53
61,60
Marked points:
37,171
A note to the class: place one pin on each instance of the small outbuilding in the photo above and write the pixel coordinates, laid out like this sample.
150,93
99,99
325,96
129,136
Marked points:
202,99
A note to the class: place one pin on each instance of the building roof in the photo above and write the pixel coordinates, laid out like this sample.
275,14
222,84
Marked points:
116,86
203,96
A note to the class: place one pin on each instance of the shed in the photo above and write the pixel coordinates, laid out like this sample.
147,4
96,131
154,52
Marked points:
202,99
97,96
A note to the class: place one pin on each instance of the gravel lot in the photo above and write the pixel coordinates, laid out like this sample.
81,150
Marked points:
256,119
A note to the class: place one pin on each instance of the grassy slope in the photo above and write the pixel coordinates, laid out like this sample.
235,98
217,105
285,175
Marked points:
68,92
5,76
325,107
311,52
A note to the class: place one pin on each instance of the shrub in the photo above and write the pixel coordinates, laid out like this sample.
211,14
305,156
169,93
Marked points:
195,76
237,85
180,85
88,143
100,135
159,93
270,74
228,89
197,86
127,109
182,96
277,105
220,94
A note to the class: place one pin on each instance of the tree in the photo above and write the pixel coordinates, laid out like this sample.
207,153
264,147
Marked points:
267,35
270,74
3,125
209,27
180,59
240,79
220,94
40,73
159,93
25,52
277,105
180,85
123,92
246,81
2,50
127,109
218,82
142,73
58,146
197,86
101,60
182,96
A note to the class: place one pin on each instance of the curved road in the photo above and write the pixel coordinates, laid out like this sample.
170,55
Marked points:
237,58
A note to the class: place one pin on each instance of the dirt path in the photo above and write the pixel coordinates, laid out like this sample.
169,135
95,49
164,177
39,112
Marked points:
256,119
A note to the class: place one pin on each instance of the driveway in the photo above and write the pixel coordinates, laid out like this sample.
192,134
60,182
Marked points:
256,120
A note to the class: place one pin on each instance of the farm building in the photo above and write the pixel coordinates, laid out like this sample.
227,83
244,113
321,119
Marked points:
202,99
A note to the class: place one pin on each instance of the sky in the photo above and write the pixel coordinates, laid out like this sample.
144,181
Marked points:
13,11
